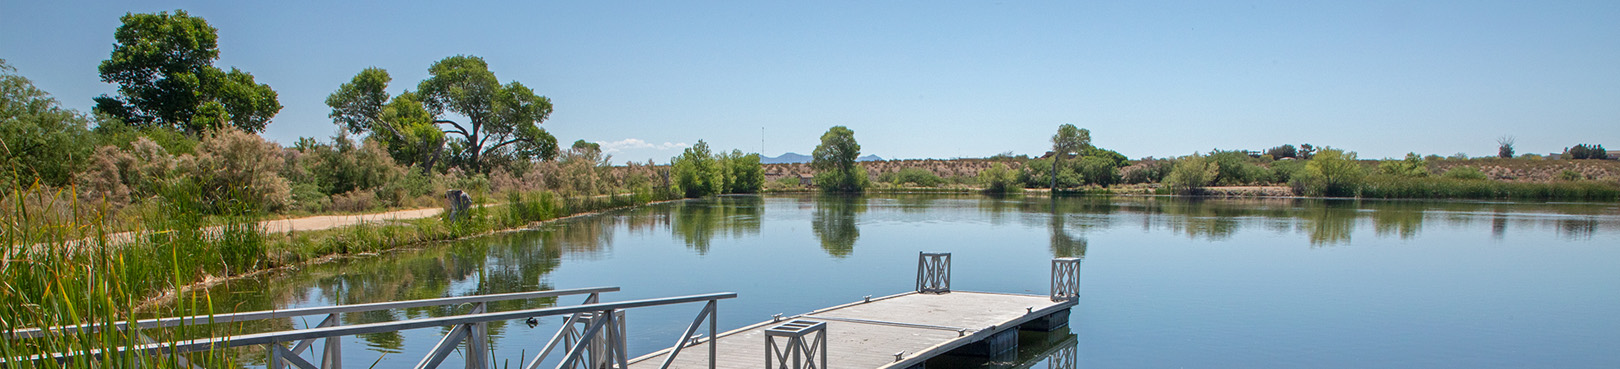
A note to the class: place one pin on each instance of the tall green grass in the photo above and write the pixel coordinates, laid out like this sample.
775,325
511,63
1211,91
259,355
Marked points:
59,269
1393,187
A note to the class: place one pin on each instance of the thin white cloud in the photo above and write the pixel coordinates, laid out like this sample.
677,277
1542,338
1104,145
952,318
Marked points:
636,143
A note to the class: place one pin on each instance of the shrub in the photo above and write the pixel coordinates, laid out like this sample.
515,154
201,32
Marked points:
1570,175
1283,171
1468,173
1038,173
233,160
1098,170
1146,170
354,201
1237,168
1284,151
913,176
999,179
1330,172
1191,174
1412,166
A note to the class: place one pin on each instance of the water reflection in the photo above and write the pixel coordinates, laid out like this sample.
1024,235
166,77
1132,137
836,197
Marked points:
698,222
835,223
1055,349
527,260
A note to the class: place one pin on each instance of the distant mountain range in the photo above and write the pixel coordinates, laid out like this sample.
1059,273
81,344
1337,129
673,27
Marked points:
790,158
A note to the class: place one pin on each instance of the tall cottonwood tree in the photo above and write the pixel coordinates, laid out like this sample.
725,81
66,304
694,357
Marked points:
501,121
1069,140
402,123
163,66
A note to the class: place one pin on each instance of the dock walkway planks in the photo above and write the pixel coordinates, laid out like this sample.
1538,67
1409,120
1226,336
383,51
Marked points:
866,335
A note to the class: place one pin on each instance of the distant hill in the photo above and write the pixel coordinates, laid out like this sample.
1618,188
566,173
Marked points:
790,158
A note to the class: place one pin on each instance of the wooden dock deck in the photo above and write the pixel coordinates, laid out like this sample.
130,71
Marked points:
869,334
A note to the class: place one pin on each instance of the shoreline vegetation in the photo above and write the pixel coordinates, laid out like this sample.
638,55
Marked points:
184,168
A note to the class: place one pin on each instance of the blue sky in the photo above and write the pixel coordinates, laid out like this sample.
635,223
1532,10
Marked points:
936,79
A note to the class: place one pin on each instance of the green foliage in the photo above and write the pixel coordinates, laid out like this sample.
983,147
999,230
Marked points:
1284,151
1038,173
1282,171
1504,147
343,166
1147,170
912,176
402,123
1412,166
1330,172
502,120
1069,140
999,179
1570,175
834,162
1098,170
1191,174
1237,168
697,173
744,174
1394,187
163,66
1465,173
39,140
1584,151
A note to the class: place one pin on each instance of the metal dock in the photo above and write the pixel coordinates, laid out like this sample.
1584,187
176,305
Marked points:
899,331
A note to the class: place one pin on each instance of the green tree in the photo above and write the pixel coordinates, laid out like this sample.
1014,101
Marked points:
163,66
1331,172
696,172
1412,166
502,121
744,174
1191,174
38,138
999,179
834,162
401,123
1069,140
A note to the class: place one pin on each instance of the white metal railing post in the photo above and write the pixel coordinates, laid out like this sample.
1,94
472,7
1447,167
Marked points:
1065,278
933,272
478,341
806,345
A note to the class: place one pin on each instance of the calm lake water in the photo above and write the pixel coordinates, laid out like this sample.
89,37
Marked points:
1165,282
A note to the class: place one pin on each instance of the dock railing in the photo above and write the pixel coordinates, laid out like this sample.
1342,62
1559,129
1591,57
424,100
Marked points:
1065,278
933,272
469,327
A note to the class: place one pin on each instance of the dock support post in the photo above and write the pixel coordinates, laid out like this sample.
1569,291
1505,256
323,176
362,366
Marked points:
1065,278
806,345
933,272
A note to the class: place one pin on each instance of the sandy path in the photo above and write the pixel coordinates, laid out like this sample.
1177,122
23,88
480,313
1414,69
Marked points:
320,222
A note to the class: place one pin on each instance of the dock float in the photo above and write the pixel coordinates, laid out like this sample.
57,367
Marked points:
901,331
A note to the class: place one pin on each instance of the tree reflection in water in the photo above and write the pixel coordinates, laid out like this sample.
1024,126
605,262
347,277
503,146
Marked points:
834,223
698,222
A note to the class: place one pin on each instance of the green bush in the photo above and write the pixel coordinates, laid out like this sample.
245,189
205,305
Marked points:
1412,166
1098,170
999,179
1468,173
744,173
1570,175
912,176
1236,168
1330,172
1191,174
